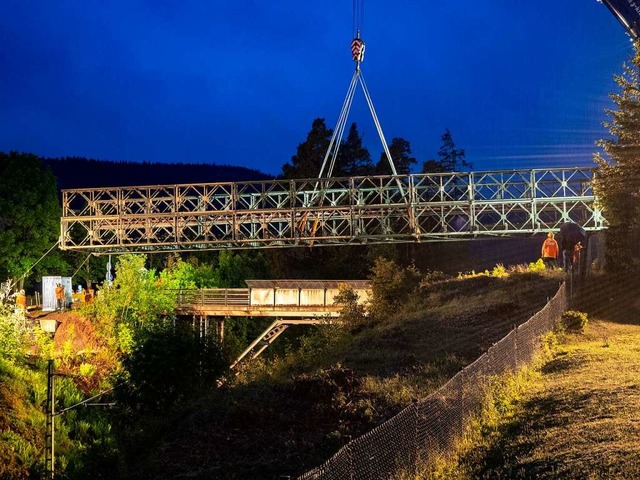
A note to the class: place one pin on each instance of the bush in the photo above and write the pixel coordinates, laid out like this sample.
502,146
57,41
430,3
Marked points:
574,321
167,365
391,286
353,314
537,266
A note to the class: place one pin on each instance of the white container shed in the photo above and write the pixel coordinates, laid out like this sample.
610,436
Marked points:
49,291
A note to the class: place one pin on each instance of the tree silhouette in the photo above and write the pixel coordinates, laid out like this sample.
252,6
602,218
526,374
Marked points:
308,159
618,181
400,150
353,159
451,158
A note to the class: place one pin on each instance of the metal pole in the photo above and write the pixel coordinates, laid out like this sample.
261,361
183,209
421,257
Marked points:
50,413
53,421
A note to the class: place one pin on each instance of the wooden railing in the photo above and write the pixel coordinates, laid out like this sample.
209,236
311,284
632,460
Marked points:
214,296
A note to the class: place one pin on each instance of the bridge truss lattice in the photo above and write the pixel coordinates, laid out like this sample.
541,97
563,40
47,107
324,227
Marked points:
333,211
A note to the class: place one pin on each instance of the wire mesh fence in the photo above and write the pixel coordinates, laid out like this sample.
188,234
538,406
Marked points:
428,429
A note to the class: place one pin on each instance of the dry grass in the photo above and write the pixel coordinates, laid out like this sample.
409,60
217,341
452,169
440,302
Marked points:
580,418
271,425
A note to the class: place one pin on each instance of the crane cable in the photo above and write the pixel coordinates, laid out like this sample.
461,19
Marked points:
357,53
331,155
358,17
24,275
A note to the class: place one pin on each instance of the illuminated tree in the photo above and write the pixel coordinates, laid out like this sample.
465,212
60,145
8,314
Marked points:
618,181
29,213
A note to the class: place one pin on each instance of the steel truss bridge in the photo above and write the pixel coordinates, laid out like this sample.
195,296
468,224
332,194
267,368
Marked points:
331,211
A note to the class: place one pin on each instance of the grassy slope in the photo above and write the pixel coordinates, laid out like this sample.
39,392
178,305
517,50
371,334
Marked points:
581,417
284,421
22,424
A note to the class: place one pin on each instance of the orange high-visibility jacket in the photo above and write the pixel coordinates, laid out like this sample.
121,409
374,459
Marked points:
550,248
21,301
59,293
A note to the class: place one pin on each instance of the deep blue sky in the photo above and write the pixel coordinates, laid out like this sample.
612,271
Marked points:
520,84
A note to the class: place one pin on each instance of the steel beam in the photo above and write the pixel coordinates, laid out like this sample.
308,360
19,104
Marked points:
334,211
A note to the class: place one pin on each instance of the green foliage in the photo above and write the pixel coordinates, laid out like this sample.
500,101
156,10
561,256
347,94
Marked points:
29,214
617,183
537,266
234,268
87,369
167,365
352,313
391,286
549,344
178,274
499,271
574,321
21,420
239,332
12,332
138,298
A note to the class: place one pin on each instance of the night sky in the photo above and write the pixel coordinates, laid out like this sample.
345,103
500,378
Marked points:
520,84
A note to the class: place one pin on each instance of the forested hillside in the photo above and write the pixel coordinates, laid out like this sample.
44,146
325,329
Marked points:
76,172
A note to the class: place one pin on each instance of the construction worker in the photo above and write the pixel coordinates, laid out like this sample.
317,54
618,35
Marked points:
550,251
21,302
60,296
576,257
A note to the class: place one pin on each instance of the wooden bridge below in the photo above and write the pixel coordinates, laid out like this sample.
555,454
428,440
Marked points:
271,298
289,302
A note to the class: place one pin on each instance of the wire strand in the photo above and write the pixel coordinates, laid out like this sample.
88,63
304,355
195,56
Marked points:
24,275
82,264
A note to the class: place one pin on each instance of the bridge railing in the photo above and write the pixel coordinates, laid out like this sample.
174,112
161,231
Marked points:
327,211
214,296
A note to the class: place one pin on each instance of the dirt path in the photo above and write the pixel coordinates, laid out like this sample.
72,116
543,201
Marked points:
581,419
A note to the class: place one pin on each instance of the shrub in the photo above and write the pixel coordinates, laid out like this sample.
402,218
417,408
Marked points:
499,271
432,277
167,365
353,314
537,266
574,321
391,286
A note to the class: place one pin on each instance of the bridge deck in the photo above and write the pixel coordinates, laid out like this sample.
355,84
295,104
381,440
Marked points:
283,213
285,299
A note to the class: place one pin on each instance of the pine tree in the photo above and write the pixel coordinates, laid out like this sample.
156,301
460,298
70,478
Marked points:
617,184
308,159
354,160
400,150
451,158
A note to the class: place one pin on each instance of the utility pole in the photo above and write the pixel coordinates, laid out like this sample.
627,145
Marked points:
50,439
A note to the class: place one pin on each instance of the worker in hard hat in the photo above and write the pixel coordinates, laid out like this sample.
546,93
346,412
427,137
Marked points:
550,251
21,302
60,296
577,249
